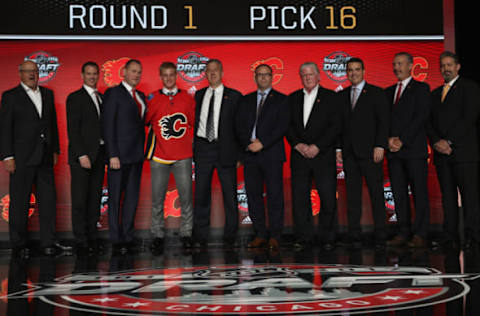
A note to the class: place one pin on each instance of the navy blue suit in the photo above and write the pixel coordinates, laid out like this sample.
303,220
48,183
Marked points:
265,166
124,135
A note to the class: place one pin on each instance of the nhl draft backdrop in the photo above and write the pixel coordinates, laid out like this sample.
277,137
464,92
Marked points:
61,36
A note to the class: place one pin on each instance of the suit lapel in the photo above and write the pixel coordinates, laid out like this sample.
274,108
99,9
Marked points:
92,105
315,107
29,101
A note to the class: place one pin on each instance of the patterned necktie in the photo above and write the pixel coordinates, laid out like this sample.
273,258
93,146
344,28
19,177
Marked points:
399,92
139,105
354,97
446,87
210,128
99,101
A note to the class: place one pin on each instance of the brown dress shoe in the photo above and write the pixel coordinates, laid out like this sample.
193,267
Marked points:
257,243
273,244
397,241
417,242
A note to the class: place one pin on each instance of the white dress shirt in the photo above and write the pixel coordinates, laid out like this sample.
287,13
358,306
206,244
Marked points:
35,96
308,102
404,85
202,122
137,96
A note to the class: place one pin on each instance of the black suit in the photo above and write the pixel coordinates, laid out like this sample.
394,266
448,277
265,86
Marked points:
322,129
409,117
365,127
84,135
455,120
124,132
265,166
31,140
221,154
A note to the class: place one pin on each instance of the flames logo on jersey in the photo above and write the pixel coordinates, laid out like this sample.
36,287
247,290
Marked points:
113,71
170,128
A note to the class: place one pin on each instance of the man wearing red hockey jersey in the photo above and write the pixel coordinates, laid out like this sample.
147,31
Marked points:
171,116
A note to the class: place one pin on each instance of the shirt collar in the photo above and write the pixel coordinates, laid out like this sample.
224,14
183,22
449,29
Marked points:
405,82
314,90
266,91
27,88
360,85
452,81
89,89
166,91
217,89
127,86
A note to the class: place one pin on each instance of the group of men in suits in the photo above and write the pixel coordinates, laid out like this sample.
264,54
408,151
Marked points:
357,127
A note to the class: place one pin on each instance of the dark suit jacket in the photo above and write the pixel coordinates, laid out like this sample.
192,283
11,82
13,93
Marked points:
272,125
323,126
409,119
83,126
366,126
123,128
227,139
456,120
24,135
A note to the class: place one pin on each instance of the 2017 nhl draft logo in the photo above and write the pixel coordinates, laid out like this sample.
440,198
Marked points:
191,66
47,65
335,66
256,289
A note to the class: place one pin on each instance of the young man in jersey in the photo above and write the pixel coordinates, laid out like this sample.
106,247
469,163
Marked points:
169,148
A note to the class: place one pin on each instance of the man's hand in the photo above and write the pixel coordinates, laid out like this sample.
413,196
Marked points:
394,144
85,162
114,163
55,159
312,151
339,156
9,165
255,146
378,154
302,149
443,147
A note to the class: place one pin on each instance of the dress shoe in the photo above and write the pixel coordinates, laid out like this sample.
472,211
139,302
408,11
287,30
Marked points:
417,242
328,245
397,241
200,243
49,251
63,247
380,244
468,244
187,242
258,242
273,244
21,252
301,244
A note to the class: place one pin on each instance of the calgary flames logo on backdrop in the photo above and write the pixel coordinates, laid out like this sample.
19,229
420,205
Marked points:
5,206
113,71
277,67
174,125
251,289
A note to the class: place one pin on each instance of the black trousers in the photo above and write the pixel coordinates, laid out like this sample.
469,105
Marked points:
123,193
270,173
86,191
323,172
206,161
463,176
21,183
355,169
414,172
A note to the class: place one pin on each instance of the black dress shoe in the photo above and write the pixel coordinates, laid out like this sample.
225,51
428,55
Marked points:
229,242
21,252
187,242
157,244
50,251
328,245
62,247
200,243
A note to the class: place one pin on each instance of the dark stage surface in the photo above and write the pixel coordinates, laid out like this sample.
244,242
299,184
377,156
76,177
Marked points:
241,281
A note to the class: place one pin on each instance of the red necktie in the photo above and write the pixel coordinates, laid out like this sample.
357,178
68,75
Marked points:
139,105
399,92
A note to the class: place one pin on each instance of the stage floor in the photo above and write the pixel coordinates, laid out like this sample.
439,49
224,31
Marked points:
240,281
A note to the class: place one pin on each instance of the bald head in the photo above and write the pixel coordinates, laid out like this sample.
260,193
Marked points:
29,74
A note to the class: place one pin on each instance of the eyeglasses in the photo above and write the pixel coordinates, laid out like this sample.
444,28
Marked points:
263,75
30,71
